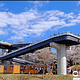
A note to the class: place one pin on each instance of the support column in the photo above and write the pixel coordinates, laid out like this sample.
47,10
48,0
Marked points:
61,58
4,51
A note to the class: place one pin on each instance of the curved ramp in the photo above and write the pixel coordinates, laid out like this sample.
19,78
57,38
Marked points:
21,61
64,38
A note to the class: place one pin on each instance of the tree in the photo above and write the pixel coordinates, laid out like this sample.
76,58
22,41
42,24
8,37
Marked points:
44,56
73,55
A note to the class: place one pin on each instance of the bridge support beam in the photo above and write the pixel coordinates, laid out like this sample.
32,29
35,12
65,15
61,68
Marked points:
4,51
61,58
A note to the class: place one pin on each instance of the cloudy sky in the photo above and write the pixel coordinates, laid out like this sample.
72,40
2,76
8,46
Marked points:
36,20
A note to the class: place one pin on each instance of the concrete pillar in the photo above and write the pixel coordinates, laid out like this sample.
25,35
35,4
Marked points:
4,51
61,58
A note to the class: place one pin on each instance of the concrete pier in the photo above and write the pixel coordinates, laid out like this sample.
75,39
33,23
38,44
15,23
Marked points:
61,58
4,51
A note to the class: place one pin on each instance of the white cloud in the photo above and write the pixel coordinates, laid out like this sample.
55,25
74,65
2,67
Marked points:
5,9
76,19
2,4
34,23
2,32
78,3
71,15
2,7
38,3
16,38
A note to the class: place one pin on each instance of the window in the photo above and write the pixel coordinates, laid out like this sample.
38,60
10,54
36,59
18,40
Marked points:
26,68
11,67
35,67
5,67
21,68
31,67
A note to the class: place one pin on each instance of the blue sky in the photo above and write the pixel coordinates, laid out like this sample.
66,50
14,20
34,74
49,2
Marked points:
36,20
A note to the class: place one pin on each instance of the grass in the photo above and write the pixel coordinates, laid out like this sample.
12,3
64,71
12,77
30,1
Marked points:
35,77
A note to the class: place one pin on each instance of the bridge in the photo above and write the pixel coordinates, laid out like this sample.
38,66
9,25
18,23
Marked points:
8,47
11,46
58,41
21,61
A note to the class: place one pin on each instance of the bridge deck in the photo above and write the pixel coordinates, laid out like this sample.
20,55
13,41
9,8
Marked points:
66,38
21,61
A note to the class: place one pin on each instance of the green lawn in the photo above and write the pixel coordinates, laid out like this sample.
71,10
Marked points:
35,77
